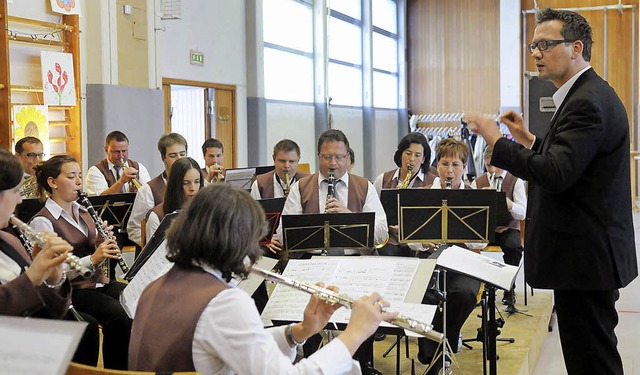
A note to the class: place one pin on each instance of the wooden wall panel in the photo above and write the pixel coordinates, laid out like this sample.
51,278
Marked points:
619,69
453,54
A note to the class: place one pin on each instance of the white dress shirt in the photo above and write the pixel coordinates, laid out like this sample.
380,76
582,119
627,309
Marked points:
41,223
141,205
293,206
278,188
519,209
230,339
96,183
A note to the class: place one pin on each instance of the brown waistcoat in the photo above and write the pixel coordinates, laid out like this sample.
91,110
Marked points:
265,183
178,297
82,245
309,195
508,185
157,186
159,210
103,167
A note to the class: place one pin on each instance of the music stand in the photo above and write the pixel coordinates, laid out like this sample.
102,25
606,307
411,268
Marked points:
151,246
331,233
240,178
453,216
272,210
115,209
389,200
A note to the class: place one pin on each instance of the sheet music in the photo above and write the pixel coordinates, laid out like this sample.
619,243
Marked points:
38,346
240,178
417,311
478,266
354,276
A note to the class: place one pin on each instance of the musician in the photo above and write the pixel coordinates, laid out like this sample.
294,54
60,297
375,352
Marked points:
29,150
97,296
114,174
462,291
413,150
352,194
172,147
213,152
286,155
185,180
218,329
507,237
38,288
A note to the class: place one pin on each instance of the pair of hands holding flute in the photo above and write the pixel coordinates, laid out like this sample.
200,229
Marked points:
366,315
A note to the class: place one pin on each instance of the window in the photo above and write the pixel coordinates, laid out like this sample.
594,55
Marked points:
288,76
385,53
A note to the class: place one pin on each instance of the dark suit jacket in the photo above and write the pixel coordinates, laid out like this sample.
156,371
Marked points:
579,230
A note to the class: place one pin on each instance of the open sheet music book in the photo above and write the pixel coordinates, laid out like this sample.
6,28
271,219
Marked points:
401,281
478,267
38,346
158,264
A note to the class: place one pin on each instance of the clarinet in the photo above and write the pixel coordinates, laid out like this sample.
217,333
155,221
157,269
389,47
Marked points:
327,295
102,229
331,189
29,238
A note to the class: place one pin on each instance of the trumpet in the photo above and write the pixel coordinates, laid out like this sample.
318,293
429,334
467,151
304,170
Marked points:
407,179
287,184
134,183
331,189
30,238
327,295
102,229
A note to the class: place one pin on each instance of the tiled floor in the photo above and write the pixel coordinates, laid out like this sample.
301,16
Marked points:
628,330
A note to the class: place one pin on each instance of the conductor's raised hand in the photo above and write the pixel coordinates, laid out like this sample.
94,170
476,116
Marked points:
515,122
484,126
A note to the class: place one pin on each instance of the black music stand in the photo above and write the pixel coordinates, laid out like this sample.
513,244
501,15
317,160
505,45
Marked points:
454,216
272,210
331,233
115,209
151,246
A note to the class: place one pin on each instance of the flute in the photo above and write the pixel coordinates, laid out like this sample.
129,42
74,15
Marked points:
30,237
327,295
102,229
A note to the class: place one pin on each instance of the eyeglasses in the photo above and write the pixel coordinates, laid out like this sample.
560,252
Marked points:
337,158
544,45
455,165
33,155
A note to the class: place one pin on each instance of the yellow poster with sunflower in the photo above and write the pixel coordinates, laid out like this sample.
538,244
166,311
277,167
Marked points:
32,121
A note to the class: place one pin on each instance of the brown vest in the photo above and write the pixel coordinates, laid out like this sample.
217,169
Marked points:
178,297
103,167
309,195
159,211
265,183
388,182
82,245
508,185
157,186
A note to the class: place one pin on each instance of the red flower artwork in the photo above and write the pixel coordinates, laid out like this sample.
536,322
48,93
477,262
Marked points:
61,81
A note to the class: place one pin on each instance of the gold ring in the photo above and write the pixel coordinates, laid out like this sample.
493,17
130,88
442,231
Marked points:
381,307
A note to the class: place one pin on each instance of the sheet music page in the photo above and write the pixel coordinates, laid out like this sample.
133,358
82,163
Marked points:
478,266
38,346
354,276
156,266
240,178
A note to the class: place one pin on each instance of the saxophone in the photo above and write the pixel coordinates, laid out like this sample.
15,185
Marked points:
102,229
30,238
287,184
407,179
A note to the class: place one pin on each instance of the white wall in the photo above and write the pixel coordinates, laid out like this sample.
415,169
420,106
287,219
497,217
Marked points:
296,122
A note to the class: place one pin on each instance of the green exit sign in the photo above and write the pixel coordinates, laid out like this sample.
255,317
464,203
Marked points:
197,58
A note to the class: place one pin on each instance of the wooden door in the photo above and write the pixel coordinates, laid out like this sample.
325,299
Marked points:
225,124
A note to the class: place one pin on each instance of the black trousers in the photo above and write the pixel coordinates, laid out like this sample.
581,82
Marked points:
462,293
104,306
89,345
509,242
586,323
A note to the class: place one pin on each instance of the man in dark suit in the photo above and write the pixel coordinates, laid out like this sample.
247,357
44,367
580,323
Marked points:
579,233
